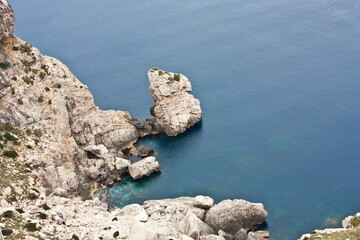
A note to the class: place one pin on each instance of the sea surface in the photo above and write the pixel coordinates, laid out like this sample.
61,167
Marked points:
278,81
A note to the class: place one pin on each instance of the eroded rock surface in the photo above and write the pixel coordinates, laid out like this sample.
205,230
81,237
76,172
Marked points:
7,19
144,167
175,109
232,215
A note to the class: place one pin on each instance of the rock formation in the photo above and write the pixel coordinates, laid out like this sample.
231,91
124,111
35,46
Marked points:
7,19
144,167
175,109
232,215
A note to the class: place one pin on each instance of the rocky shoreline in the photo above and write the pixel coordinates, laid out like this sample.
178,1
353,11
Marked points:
57,147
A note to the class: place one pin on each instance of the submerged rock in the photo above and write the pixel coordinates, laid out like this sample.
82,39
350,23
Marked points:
232,215
175,109
144,167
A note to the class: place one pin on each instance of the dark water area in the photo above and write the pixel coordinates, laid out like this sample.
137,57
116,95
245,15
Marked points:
278,81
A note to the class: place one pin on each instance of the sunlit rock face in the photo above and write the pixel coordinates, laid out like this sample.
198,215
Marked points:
175,109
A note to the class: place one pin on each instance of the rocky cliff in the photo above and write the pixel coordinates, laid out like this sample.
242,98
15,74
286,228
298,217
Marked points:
7,19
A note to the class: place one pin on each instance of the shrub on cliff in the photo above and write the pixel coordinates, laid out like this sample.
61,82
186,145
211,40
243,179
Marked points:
10,154
42,215
25,48
9,137
37,132
355,221
45,207
8,214
176,77
31,227
75,237
42,75
4,65
32,196
19,210
116,234
27,79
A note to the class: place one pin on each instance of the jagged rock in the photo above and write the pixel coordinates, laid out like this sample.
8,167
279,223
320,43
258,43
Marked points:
240,235
203,202
144,231
35,161
212,237
192,226
143,151
226,235
185,237
263,234
122,164
175,110
254,236
232,215
97,151
93,172
7,19
175,209
144,167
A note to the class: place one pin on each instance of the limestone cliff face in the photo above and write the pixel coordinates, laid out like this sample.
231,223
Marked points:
175,109
40,92
7,19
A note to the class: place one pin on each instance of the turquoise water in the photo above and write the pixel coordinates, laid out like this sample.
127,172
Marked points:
278,81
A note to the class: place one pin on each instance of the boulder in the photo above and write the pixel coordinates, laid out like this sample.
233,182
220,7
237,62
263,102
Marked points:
232,215
122,164
144,167
212,237
173,210
263,234
225,235
203,202
97,151
192,226
240,235
144,151
175,109
254,236
144,231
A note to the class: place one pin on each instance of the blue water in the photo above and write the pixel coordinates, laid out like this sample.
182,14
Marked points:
278,81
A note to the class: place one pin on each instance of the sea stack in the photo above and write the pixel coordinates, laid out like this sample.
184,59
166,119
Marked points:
175,109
